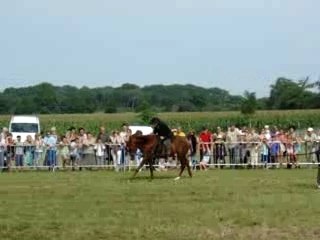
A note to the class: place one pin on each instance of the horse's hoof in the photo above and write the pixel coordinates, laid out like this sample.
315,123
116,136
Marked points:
177,178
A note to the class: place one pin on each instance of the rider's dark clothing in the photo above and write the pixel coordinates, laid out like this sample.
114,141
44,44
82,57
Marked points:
162,130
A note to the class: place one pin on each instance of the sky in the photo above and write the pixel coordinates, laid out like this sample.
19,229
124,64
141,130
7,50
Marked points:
231,44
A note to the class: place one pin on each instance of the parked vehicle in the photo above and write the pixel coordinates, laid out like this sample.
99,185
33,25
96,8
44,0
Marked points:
24,125
144,129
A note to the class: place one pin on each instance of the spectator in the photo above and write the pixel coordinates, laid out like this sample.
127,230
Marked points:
205,140
102,135
264,152
88,156
180,132
232,140
74,152
310,139
19,152
10,150
123,137
138,155
115,146
4,134
274,149
291,153
99,148
82,139
105,138
71,134
282,137
254,154
3,148
193,148
64,151
243,148
253,147
50,142
38,152
220,134
29,151
220,150
318,148
267,132
205,160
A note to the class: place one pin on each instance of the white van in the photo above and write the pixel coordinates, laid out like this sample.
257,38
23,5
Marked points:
24,125
146,130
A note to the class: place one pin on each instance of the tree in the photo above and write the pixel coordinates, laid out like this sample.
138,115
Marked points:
249,103
146,113
288,94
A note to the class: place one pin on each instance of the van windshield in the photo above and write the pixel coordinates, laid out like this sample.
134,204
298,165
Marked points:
24,127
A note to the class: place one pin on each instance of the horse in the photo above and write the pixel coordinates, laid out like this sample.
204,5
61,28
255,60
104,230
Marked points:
148,146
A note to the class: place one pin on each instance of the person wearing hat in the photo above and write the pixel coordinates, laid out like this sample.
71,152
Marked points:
180,132
310,139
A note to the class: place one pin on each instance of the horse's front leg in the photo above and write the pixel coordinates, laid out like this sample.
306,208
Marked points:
139,167
184,163
182,167
188,167
151,166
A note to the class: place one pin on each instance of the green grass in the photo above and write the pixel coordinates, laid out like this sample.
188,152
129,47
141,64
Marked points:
216,204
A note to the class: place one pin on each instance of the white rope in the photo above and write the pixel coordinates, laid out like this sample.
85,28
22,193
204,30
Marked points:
160,165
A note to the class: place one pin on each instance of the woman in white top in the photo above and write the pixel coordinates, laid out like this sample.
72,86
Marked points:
38,152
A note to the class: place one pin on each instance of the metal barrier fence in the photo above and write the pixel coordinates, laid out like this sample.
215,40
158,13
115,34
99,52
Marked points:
111,156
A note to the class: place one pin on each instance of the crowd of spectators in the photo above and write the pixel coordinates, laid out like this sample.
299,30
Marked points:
234,147
269,147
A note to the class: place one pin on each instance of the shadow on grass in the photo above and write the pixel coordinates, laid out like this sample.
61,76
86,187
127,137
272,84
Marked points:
304,185
155,177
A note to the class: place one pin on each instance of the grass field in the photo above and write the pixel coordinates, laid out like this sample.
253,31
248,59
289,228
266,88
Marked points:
215,204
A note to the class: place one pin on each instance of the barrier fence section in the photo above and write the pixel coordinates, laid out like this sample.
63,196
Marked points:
113,156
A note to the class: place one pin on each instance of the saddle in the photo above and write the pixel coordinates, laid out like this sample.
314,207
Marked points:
163,148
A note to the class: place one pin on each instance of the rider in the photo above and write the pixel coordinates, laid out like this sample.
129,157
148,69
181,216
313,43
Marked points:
161,129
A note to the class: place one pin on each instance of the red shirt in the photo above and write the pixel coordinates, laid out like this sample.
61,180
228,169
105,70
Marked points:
205,137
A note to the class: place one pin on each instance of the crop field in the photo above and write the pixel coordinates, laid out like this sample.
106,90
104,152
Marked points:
188,120
214,204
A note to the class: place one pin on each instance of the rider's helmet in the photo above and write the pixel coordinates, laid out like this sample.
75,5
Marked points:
154,120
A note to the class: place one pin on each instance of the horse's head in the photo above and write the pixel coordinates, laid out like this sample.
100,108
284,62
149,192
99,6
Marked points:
131,146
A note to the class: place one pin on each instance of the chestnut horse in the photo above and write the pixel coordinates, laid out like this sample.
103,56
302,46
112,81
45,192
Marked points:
148,143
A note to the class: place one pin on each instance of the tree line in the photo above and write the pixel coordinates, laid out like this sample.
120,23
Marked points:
45,98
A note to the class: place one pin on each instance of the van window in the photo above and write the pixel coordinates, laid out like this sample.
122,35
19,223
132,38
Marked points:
24,127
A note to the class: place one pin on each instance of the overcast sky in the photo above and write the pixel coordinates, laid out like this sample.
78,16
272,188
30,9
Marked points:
231,44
